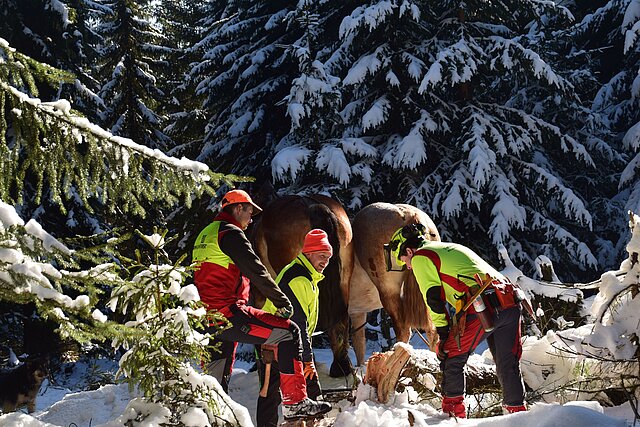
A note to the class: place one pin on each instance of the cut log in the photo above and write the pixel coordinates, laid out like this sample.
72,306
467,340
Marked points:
480,377
383,370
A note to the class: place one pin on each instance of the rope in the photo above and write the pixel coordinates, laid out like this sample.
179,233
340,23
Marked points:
353,331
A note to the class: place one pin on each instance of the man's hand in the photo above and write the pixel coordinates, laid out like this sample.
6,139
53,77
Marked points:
309,370
284,312
443,334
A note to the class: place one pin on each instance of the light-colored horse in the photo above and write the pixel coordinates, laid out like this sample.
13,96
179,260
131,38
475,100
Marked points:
372,286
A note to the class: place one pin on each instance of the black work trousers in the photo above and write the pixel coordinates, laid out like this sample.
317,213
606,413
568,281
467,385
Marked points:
267,410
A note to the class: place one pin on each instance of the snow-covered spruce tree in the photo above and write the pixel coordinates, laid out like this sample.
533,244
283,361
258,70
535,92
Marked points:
248,65
186,119
129,58
86,15
62,151
41,29
612,33
163,345
36,268
460,103
310,150
50,32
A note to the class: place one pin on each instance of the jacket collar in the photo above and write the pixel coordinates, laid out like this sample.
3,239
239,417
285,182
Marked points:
224,216
315,275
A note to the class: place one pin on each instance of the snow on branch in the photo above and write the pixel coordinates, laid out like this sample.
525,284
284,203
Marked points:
573,206
557,234
507,213
456,64
289,161
53,146
508,54
333,160
367,64
631,19
481,158
34,265
377,114
534,128
411,151
371,16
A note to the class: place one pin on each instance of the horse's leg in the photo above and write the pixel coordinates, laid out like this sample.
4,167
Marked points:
358,321
392,305
341,365
403,332
338,337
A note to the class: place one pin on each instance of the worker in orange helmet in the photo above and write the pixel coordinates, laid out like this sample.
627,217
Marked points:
226,266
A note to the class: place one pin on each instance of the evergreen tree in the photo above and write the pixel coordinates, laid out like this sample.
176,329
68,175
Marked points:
165,314
186,119
249,63
593,53
63,151
466,110
85,90
309,150
612,33
36,268
51,32
41,29
130,54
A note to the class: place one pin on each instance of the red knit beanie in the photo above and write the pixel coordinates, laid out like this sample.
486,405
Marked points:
316,241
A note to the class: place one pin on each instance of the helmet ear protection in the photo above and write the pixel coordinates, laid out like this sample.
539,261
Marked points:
411,235
413,230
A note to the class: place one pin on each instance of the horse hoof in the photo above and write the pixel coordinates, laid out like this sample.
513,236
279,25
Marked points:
341,368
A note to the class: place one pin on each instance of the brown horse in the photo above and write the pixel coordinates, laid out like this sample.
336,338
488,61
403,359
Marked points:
372,286
279,237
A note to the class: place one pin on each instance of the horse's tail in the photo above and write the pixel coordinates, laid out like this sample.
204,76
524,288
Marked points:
414,311
320,216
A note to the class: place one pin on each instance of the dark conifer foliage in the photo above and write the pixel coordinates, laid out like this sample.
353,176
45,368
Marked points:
248,65
131,54
183,24
497,118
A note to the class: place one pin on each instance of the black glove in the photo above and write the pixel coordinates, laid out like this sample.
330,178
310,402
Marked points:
284,312
443,334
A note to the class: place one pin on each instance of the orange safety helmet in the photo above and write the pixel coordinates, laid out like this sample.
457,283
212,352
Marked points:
239,196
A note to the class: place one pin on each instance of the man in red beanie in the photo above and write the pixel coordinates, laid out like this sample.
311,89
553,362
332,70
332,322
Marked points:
299,282
226,265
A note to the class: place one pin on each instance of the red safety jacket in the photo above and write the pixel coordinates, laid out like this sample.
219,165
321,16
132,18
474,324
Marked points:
227,264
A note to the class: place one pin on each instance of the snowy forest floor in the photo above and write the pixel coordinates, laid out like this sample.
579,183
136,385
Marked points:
64,405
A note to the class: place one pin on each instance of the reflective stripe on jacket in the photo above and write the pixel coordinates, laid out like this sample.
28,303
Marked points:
444,271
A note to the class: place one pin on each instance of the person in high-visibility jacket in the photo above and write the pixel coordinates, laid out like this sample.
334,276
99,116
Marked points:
299,282
445,273
226,266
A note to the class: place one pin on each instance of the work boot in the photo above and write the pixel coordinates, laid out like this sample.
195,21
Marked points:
509,409
306,408
454,406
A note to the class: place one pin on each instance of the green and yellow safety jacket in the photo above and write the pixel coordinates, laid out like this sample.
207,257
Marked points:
444,272
299,282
